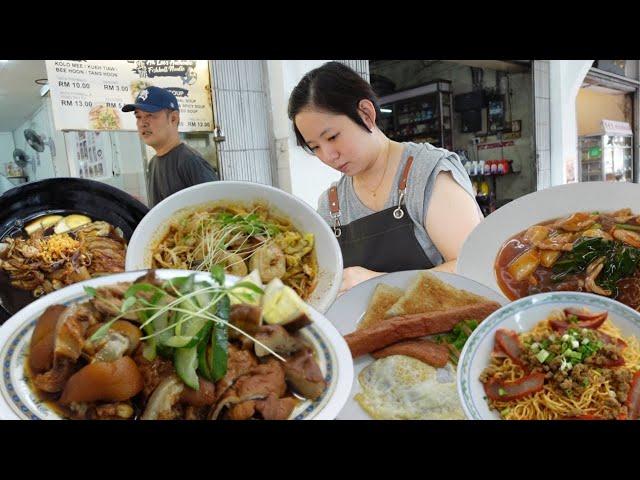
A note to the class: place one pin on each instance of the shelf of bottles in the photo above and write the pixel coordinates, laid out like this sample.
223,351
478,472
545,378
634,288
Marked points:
426,118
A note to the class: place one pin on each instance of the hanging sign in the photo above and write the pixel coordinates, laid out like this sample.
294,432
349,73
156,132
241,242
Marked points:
89,94
613,127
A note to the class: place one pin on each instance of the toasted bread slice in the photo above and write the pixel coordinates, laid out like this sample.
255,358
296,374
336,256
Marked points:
429,294
383,297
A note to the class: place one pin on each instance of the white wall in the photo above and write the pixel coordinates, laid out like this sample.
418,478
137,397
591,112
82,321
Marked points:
128,154
565,78
45,165
298,172
126,149
6,150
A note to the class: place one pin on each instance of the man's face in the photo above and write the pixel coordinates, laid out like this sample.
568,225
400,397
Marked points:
157,128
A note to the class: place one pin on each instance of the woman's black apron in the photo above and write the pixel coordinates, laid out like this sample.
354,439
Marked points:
384,241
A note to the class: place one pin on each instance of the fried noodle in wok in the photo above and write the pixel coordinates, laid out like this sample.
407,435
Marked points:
42,264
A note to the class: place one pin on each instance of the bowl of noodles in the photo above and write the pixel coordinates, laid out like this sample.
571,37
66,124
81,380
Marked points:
553,356
249,229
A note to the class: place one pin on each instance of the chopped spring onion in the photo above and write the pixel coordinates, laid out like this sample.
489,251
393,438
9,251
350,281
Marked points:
542,355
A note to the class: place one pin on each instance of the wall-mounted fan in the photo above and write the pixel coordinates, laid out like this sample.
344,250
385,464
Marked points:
21,158
38,142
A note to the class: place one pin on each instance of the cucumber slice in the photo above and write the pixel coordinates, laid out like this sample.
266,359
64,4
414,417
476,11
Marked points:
186,361
179,341
219,341
203,352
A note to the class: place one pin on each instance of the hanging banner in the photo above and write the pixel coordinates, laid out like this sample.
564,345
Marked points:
89,94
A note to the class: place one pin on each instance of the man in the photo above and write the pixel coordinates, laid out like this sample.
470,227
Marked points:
175,165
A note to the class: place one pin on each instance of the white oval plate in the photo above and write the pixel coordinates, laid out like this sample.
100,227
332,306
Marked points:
347,311
305,218
18,401
521,316
482,246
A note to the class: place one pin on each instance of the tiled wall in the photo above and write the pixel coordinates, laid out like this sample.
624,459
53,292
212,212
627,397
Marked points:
242,108
543,143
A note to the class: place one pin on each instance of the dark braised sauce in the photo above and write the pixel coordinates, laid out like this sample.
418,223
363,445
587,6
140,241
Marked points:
627,292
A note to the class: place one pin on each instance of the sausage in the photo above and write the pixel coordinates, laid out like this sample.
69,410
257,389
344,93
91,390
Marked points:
424,350
416,325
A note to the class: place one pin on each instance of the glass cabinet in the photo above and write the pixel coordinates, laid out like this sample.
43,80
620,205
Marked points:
606,157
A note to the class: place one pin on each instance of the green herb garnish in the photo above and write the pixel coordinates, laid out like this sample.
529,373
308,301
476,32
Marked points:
621,261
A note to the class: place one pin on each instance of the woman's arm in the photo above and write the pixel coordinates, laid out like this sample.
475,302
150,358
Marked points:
451,216
352,276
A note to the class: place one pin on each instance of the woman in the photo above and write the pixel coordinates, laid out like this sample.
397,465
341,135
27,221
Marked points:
398,206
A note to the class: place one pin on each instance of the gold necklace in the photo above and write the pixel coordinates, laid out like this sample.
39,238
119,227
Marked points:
375,190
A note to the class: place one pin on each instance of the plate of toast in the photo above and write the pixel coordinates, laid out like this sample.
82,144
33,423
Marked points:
405,331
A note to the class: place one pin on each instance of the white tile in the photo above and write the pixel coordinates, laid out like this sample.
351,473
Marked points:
258,119
544,160
537,82
542,111
542,137
544,85
544,179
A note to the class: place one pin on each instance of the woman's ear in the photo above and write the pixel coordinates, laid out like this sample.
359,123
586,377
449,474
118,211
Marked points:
367,113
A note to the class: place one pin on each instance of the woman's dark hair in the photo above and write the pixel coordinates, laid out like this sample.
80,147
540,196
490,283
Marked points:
334,88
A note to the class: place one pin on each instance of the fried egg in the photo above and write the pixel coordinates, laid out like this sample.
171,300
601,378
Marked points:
404,388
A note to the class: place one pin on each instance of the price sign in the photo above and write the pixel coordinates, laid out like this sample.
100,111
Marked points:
89,94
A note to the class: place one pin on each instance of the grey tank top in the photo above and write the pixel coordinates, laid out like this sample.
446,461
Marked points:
428,162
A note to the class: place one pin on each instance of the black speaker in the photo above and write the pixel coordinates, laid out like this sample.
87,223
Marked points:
471,121
469,101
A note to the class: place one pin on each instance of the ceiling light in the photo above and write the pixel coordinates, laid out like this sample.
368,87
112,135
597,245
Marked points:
386,110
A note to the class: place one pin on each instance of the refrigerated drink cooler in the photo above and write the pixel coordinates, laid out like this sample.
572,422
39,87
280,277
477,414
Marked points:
607,156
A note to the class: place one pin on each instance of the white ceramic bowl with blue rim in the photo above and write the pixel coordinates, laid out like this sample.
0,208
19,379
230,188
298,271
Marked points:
19,401
155,224
521,316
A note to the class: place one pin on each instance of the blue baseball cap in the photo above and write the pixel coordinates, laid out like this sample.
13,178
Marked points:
153,99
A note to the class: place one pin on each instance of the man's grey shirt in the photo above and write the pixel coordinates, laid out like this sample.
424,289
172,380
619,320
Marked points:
176,170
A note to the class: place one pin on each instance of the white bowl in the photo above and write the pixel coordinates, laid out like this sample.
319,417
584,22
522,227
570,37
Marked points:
303,217
479,252
19,401
521,316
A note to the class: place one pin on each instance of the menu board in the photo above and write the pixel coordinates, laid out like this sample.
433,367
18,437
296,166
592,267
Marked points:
89,94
